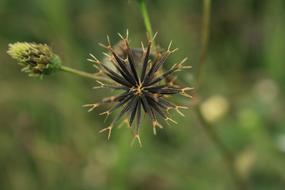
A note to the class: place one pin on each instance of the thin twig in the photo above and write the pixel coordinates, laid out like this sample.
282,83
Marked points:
204,39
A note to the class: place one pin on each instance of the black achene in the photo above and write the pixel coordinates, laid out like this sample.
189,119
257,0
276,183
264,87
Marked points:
144,86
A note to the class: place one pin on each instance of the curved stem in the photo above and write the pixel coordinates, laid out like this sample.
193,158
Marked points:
83,74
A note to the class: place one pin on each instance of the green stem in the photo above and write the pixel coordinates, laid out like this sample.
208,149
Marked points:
228,157
204,38
83,74
208,128
146,19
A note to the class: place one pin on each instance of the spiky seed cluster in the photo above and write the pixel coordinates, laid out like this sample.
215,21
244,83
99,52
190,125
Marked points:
36,59
144,89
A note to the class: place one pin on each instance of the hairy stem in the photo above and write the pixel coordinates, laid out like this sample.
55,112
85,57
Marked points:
83,74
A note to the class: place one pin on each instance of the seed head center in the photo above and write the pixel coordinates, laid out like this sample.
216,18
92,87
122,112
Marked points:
139,89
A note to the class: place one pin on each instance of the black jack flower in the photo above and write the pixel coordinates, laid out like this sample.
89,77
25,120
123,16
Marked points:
144,86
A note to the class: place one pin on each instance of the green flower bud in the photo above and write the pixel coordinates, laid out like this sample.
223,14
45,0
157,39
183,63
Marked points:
36,59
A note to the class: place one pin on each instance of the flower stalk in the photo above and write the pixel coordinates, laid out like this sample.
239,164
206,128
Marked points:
83,73
146,19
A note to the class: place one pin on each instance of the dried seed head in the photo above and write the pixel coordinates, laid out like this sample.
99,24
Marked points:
145,88
36,59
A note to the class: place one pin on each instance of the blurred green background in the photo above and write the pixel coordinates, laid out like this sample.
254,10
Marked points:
48,141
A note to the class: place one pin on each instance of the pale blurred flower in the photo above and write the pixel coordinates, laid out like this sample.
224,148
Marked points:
245,161
214,108
281,142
